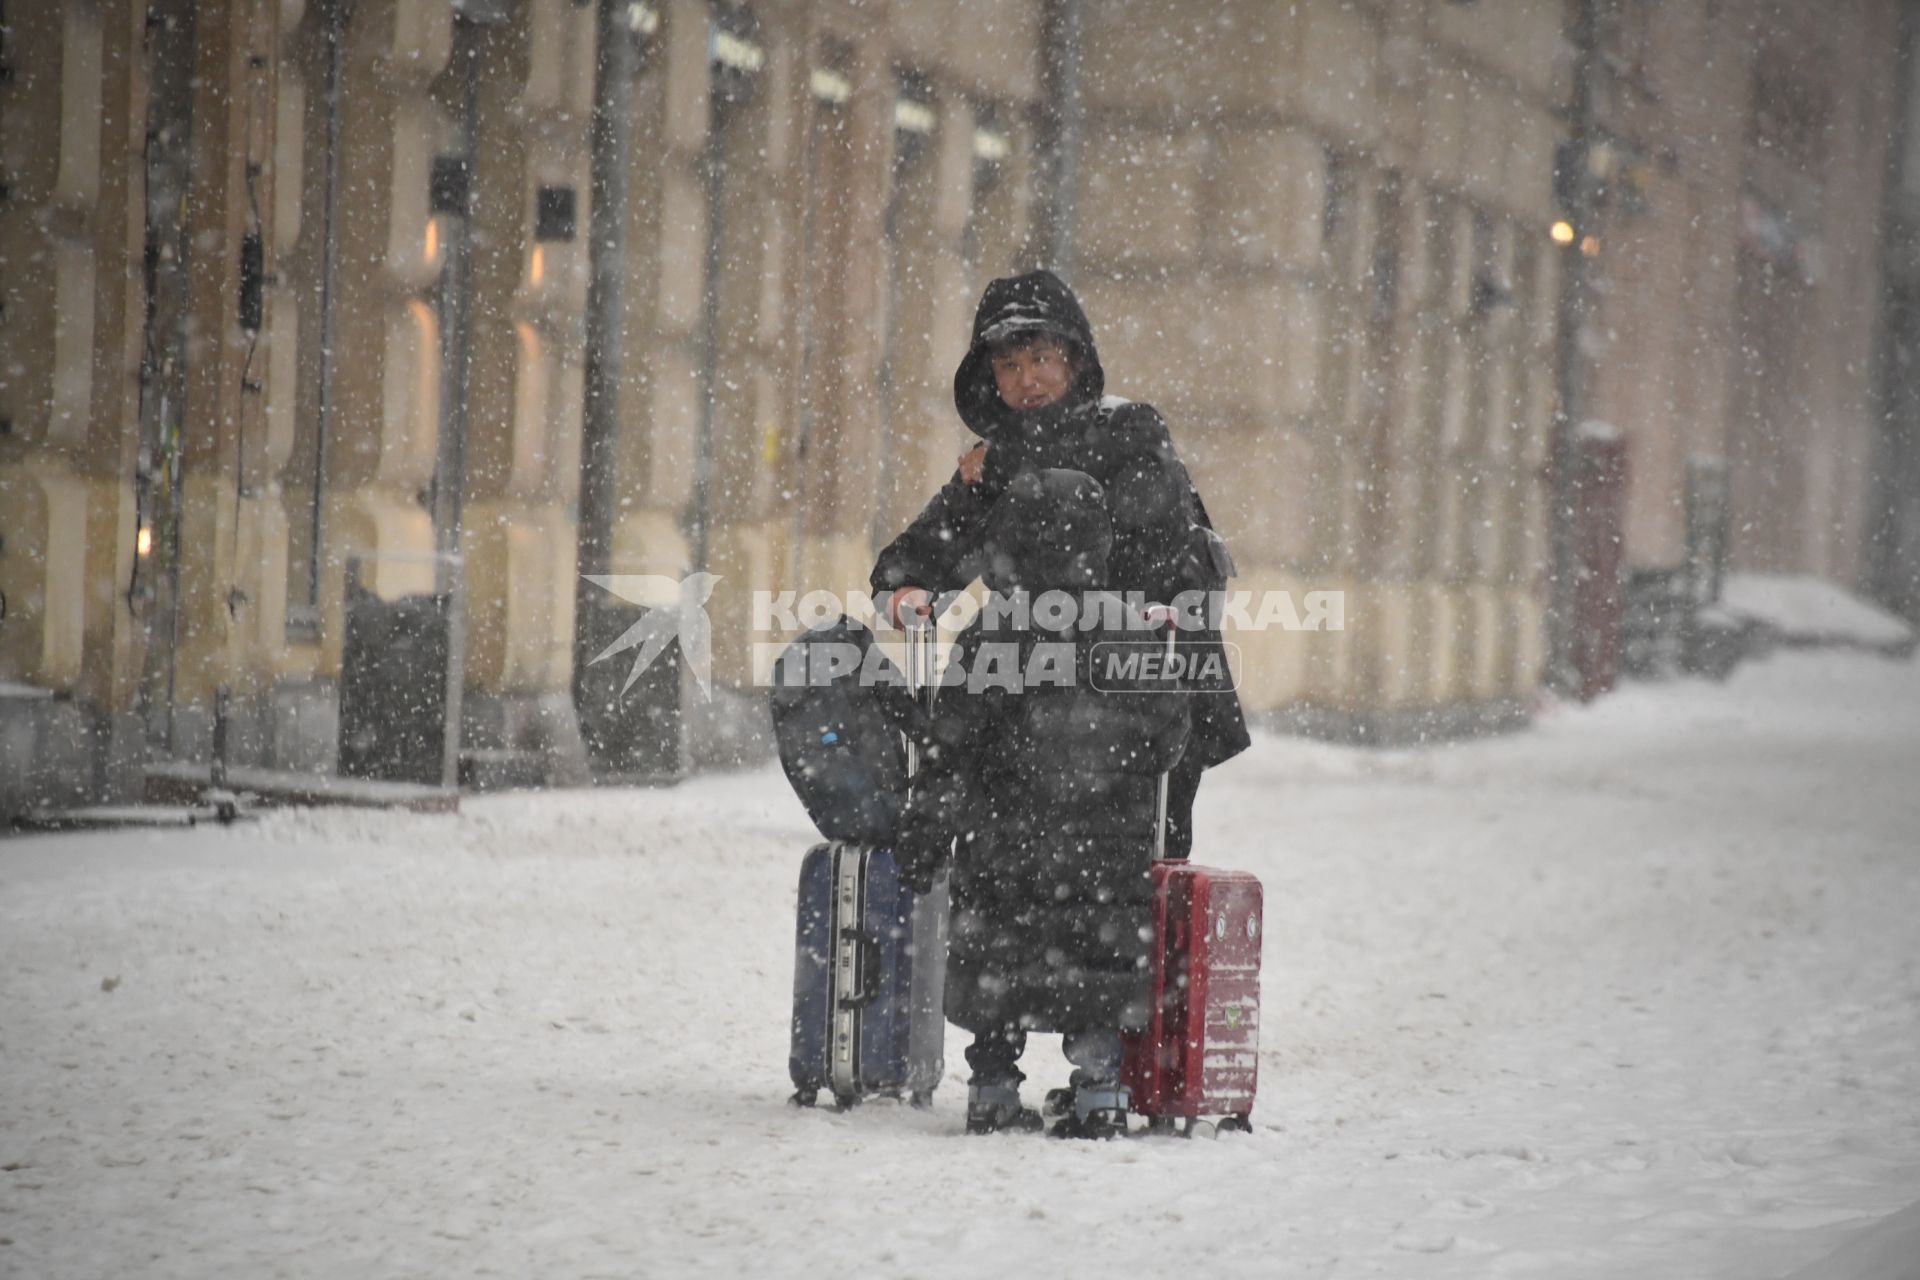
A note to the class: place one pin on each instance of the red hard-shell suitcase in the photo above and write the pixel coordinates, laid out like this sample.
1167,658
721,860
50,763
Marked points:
1199,1056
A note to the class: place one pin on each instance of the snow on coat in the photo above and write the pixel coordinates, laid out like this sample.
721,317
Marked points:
1052,789
1159,546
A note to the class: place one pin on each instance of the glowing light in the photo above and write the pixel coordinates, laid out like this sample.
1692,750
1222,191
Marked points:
989,144
433,241
830,86
537,269
914,117
731,51
143,541
1562,232
1590,246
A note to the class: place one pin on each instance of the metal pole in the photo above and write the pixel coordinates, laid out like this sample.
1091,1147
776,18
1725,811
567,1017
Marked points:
455,207
453,599
1065,120
1570,362
169,254
336,29
611,141
222,740
713,159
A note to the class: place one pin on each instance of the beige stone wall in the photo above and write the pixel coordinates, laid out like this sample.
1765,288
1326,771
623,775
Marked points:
387,380
534,98
753,239
1295,264
70,246
1793,414
222,419
663,298
875,322
1314,234
277,119
1852,175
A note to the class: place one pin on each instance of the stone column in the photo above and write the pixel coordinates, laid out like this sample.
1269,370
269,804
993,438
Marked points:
530,220
386,342
754,154
664,299
853,155
280,89
70,243
223,413
926,288
71,310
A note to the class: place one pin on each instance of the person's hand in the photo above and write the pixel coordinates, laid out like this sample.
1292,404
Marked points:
923,850
973,464
912,603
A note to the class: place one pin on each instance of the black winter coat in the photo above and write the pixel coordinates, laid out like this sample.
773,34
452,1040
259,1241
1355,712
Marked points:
1159,548
1052,792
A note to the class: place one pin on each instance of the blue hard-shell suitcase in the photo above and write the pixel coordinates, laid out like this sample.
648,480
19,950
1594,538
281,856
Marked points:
870,959
869,978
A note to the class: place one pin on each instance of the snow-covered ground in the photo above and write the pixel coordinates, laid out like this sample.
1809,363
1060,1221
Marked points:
1635,993
1803,609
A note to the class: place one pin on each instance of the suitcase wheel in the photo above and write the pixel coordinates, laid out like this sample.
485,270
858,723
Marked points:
803,1098
844,1101
920,1099
1242,1123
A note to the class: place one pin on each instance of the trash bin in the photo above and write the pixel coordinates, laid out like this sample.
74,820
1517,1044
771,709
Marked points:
398,708
632,735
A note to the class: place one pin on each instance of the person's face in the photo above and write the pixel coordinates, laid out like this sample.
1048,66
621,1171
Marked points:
1032,374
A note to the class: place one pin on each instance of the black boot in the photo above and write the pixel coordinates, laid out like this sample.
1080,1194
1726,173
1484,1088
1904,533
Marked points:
993,1094
993,1106
1097,1104
1093,1108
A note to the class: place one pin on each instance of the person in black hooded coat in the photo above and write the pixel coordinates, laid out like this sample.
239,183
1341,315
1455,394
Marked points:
1162,539
1043,781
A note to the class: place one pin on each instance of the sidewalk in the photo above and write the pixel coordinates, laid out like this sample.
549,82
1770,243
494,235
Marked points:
1634,993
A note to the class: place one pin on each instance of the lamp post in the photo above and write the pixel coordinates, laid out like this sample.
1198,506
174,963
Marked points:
1575,193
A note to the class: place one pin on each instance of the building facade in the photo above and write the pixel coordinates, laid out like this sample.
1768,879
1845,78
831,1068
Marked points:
1742,232
310,302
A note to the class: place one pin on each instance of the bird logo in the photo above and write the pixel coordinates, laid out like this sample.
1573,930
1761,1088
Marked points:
685,617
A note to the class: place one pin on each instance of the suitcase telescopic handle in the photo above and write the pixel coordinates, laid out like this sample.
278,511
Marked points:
922,645
1160,814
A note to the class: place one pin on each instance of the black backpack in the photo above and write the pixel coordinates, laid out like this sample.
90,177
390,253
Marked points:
840,737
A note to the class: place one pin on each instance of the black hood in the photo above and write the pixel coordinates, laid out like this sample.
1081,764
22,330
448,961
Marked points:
1039,302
